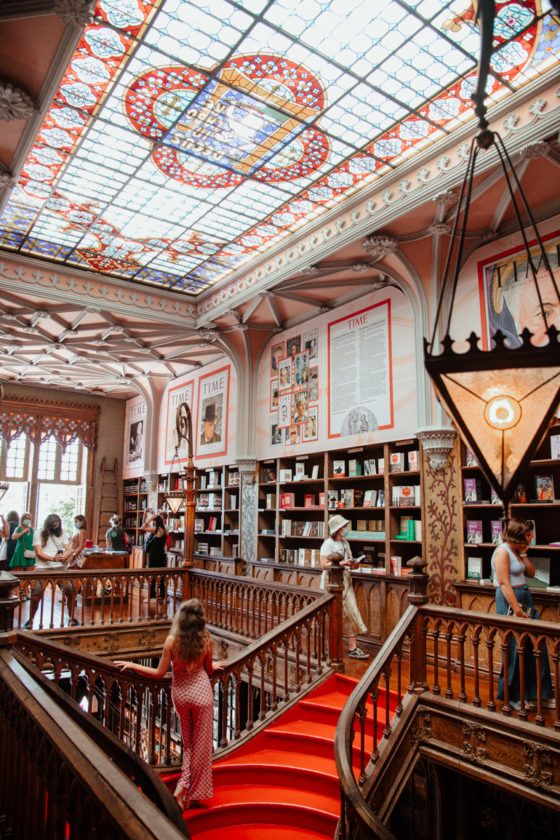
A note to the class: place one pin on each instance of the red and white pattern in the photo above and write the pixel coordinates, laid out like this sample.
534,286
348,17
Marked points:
193,699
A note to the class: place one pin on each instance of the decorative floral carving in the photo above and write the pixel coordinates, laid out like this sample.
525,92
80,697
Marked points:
538,765
474,737
437,443
65,427
379,246
440,229
421,728
78,12
443,533
249,504
535,150
15,104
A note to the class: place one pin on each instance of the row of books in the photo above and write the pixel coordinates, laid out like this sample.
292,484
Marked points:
349,497
301,556
406,495
211,551
299,473
409,529
296,528
209,478
473,492
211,524
212,501
355,467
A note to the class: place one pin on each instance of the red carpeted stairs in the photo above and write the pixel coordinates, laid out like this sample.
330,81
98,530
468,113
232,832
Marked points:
282,783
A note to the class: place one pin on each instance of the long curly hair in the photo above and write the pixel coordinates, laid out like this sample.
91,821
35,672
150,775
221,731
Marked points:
48,527
188,629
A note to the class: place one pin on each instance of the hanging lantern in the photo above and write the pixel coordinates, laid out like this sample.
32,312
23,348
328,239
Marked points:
501,399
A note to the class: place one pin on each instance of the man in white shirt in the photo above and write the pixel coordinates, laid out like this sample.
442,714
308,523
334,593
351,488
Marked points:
53,550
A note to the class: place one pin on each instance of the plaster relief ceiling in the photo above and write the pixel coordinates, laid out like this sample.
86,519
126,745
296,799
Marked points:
187,138
90,348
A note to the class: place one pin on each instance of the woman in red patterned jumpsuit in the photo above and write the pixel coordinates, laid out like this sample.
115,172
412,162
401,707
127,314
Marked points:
189,649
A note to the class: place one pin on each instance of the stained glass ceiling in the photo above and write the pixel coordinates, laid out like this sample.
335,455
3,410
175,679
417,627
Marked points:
188,136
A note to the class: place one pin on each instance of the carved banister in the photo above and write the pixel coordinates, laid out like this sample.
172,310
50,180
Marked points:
49,754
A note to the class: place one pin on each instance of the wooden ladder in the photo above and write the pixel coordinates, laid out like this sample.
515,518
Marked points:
109,502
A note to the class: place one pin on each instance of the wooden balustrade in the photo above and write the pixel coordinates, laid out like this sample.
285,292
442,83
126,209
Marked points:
434,655
56,782
139,711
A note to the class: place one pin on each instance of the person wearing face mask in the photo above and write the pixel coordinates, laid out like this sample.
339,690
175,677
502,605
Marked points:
78,541
53,551
7,528
336,549
24,553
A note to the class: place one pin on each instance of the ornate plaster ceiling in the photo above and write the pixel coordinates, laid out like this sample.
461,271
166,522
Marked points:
187,138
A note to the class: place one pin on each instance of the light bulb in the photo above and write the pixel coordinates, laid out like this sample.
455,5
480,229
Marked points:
502,412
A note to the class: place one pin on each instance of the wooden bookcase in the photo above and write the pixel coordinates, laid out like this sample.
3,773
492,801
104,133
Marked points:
175,522
135,501
480,513
378,499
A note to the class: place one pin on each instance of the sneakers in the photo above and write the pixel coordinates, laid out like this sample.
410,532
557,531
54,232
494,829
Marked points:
28,625
358,653
74,623
549,703
515,704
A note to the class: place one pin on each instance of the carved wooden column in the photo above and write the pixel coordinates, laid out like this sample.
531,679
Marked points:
8,601
249,503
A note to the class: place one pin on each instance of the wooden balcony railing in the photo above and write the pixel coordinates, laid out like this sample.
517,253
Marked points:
446,661
139,711
56,782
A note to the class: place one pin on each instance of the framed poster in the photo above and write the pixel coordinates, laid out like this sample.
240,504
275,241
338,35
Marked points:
213,405
508,295
176,395
360,397
134,437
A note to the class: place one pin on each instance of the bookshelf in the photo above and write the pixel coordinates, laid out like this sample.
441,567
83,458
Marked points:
135,501
298,495
483,513
175,522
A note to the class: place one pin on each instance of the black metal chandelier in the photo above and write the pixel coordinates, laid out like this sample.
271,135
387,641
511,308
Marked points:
501,399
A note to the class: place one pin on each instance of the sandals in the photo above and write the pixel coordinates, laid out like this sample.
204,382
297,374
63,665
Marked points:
358,653
180,795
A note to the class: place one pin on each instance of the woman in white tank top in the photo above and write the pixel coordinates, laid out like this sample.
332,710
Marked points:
510,566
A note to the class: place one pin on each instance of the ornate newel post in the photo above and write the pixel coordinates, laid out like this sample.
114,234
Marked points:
336,643
418,595
418,581
8,600
249,509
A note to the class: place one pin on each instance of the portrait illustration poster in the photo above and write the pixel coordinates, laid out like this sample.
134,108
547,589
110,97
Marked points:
508,294
360,397
176,395
134,438
211,436
294,389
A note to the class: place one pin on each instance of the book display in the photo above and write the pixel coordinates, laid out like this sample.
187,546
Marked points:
536,498
168,482
135,500
298,495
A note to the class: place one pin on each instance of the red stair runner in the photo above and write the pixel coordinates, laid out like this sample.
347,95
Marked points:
282,784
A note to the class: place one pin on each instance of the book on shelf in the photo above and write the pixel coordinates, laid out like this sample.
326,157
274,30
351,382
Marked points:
403,495
471,490
533,525
359,494
332,496
354,467
309,500
213,501
347,497
396,565
381,466
212,478
322,497
315,471
370,467
287,500
339,468
270,501
269,475
380,498
202,548
198,526
496,528
235,550
412,460
520,494
474,568
555,447
202,500
396,462
494,498
215,551
418,530
299,474
474,531
234,478
470,460
285,475
544,485
233,502
286,528
212,523
370,498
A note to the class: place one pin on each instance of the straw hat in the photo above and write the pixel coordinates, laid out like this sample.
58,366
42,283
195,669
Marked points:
337,522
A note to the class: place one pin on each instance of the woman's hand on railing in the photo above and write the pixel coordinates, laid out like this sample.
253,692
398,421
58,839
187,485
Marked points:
122,664
219,666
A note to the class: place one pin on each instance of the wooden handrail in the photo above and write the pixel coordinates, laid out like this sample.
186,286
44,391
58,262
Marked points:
57,782
288,658
415,642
